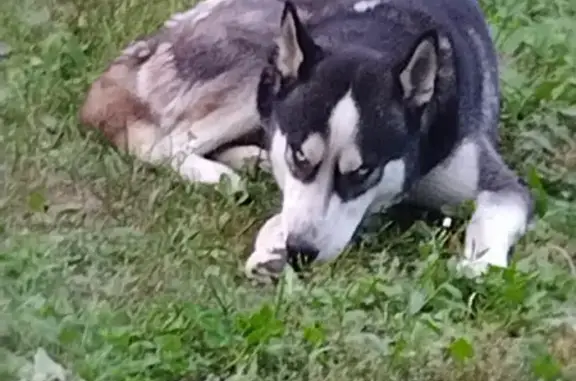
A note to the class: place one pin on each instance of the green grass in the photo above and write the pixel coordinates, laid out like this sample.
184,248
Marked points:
124,273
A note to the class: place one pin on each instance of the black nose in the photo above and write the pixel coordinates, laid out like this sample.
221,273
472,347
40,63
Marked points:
300,252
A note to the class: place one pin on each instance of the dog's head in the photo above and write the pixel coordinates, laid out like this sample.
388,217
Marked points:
345,131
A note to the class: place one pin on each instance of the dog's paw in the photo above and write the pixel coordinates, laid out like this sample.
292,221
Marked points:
266,266
477,262
242,157
269,257
198,169
472,268
498,222
486,244
233,185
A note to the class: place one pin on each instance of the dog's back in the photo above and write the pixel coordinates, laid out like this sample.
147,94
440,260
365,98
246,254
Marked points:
201,68
200,61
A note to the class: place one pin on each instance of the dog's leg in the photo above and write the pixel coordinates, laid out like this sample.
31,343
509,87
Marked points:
195,141
500,219
239,157
174,150
198,169
503,201
269,256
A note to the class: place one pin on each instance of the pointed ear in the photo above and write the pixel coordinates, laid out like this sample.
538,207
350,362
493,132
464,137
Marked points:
296,50
417,75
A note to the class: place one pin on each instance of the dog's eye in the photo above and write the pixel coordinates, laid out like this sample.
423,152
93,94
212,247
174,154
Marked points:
302,165
358,176
299,164
361,174
352,184
299,157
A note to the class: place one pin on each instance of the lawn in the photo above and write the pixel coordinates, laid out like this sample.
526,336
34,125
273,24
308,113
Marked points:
123,272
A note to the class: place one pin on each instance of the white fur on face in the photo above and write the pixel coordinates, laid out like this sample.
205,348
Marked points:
312,211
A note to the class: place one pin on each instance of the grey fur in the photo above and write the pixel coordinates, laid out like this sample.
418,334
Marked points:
204,61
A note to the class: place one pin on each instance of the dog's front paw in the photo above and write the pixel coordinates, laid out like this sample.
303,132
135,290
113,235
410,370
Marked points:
473,268
269,257
499,220
484,247
266,266
477,261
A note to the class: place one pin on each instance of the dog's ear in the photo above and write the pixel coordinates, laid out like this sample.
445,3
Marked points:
292,59
417,74
296,51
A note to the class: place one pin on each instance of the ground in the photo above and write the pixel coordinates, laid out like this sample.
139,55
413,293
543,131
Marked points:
123,272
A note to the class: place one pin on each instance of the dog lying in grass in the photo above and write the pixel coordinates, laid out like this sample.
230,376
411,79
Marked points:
353,105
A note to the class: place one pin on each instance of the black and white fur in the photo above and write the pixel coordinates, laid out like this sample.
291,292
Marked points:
380,102
363,104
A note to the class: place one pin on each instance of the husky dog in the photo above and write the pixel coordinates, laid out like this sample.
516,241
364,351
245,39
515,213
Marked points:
353,105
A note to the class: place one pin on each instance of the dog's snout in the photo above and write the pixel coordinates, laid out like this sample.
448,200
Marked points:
300,252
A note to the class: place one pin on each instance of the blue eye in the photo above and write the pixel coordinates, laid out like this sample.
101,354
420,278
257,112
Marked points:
360,175
299,156
363,172
352,184
299,164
